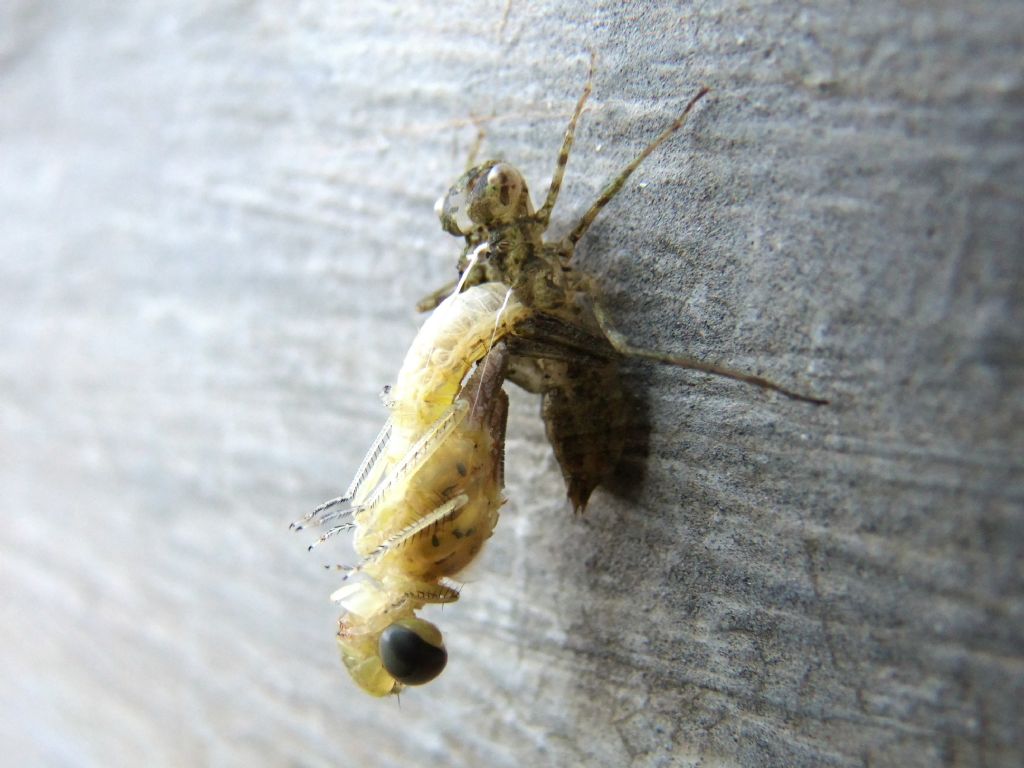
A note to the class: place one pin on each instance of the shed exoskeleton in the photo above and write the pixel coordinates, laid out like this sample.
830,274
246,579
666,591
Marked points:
564,348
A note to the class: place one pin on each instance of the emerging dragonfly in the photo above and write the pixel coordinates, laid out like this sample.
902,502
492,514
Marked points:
427,495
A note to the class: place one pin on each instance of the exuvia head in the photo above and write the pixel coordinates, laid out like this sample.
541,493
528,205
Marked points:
487,195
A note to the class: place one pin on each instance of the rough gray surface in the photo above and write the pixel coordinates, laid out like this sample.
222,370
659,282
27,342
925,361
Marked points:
215,218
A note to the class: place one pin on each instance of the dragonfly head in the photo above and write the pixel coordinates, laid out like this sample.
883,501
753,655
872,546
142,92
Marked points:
409,651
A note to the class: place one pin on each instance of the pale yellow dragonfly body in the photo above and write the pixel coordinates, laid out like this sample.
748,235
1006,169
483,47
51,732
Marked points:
428,494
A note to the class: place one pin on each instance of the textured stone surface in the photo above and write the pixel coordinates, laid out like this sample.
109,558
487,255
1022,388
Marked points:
215,218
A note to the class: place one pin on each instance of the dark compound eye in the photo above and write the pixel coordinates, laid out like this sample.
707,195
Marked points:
412,651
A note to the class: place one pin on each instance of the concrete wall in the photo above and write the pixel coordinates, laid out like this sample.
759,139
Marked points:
215,218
